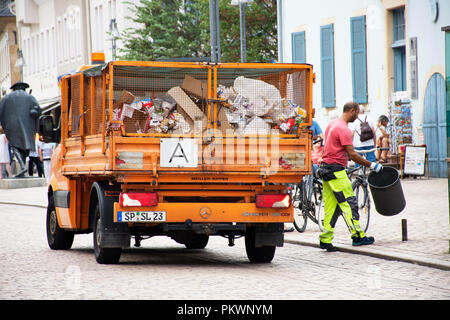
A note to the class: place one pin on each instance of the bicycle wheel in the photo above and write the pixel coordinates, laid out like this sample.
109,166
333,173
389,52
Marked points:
300,218
307,198
318,203
363,199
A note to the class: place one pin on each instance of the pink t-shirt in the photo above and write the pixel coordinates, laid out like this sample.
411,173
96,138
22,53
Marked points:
337,135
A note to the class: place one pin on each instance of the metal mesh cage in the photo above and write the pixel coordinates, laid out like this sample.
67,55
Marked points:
160,100
74,104
261,100
181,98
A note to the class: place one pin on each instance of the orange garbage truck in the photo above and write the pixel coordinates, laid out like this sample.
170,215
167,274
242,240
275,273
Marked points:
186,150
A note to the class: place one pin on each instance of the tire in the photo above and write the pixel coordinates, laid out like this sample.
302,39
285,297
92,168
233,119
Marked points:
363,199
255,254
300,217
300,220
197,241
319,204
57,238
103,255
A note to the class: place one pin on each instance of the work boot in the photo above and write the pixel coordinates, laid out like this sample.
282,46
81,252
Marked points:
358,241
328,246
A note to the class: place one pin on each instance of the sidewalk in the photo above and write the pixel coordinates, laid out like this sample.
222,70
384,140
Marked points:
427,215
426,212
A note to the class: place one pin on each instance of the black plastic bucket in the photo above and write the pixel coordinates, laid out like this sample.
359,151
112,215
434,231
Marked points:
387,192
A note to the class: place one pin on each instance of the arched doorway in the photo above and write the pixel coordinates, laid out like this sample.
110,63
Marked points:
434,125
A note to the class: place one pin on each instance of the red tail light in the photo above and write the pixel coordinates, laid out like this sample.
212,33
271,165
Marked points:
138,199
273,200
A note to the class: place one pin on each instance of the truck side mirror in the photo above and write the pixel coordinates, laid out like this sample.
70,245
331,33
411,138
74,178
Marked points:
47,133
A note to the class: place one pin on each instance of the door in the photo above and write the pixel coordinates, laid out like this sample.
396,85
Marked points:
434,125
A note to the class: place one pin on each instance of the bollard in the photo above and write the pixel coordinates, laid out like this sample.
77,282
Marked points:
404,230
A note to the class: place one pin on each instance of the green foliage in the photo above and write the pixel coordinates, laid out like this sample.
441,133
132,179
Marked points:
176,28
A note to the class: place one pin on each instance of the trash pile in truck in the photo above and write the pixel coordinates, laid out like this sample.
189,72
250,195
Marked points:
249,106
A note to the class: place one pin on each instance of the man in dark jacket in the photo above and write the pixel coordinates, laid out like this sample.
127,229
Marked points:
18,114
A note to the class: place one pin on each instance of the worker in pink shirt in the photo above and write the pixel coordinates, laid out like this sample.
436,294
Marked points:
338,194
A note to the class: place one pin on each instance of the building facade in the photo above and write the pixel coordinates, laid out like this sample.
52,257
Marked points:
9,45
388,55
57,37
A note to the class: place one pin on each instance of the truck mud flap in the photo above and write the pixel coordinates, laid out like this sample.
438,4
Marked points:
114,235
268,234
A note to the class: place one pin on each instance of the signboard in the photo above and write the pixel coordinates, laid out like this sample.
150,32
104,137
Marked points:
415,160
178,153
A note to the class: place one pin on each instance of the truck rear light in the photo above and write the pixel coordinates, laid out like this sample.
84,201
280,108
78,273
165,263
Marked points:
273,200
138,199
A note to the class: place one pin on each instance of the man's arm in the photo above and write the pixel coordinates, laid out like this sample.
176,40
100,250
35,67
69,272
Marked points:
354,156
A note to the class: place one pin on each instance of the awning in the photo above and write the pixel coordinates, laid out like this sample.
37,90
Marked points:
48,105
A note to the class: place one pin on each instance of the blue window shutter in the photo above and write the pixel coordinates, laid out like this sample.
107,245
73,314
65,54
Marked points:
399,69
359,58
298,47
327,66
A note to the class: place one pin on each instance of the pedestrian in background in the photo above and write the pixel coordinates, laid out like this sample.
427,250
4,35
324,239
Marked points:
363,145
4,155
382,138
45,155
34,160
338,194
19,112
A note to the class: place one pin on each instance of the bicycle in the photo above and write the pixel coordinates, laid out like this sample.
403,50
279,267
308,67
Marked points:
307,197
360,187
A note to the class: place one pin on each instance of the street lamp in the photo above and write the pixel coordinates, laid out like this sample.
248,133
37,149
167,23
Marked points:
114,35
241,4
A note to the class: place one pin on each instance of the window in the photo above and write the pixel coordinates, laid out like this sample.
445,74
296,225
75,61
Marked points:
359,58
298,47
99,29
53,45
399,49
79,42
72,36
327,66
60,40
48,49
413,67
65,39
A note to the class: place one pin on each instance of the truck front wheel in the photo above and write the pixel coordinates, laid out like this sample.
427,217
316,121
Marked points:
57,238
263,254
103,255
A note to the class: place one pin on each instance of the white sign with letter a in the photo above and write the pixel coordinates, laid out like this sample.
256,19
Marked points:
178,153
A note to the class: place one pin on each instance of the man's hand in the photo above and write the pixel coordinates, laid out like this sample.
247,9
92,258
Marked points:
376,167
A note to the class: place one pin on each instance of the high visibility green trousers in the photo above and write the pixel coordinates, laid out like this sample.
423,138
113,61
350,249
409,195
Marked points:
338,198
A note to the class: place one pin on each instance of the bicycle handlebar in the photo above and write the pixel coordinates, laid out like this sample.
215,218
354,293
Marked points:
317,141
371,150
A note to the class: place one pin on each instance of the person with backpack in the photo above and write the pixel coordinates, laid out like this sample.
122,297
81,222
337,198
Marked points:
364,137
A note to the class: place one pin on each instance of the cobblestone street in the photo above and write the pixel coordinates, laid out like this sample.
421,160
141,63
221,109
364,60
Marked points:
163,269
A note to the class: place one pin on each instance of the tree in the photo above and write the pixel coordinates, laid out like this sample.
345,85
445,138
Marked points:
166,30
177,28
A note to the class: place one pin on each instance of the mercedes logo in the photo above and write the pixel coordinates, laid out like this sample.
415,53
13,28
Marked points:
205,212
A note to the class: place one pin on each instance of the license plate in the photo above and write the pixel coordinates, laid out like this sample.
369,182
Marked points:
141,216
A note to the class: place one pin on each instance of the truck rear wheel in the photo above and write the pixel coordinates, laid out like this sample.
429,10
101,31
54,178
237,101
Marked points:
103,255
57,238
263,254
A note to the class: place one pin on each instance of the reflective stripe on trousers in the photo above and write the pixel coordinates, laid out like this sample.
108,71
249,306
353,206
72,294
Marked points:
338,198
